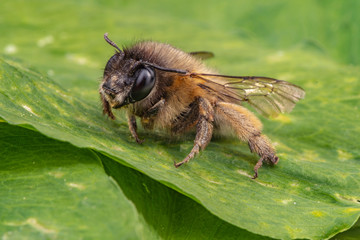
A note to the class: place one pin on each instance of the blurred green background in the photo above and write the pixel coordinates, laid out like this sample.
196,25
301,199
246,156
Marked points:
301,41
64,39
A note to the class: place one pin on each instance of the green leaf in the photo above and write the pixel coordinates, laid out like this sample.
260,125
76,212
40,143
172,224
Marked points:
351,234
167,213
315,184
317,143
53,190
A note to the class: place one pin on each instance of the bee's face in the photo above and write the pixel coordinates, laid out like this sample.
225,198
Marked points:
126,81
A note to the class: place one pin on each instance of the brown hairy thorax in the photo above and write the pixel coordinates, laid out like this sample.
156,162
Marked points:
174,90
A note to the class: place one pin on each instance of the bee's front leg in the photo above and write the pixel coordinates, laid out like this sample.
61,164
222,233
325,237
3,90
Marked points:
106,106
132,127
204,130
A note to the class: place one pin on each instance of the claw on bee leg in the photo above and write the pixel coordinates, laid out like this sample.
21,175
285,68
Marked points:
139,141
257,166
133,127
204,130
191,155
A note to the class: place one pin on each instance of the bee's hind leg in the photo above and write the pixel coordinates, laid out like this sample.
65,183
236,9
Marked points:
204,130
248,128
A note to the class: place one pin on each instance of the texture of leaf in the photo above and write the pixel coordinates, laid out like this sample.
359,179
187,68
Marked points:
167,213
53,190
311,194
318,143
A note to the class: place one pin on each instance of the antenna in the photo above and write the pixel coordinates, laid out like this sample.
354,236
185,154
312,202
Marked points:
111,42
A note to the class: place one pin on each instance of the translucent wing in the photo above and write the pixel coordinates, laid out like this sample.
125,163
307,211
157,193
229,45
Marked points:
268,96
202,55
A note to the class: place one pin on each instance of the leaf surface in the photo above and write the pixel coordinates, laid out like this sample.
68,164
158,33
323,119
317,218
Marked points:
314,190
53,190
312,193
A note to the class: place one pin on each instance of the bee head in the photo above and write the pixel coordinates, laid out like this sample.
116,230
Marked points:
125,80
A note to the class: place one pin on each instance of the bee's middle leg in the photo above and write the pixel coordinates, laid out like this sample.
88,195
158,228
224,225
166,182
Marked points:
204,130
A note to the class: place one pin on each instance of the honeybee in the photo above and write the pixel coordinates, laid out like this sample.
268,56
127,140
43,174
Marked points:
173,90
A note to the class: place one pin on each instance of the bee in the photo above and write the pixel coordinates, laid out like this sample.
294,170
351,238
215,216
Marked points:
174,90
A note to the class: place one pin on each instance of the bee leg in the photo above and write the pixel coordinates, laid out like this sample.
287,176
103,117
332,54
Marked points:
155,109
132,127
257,166
148,119
248,128
261,145
204,130
106,107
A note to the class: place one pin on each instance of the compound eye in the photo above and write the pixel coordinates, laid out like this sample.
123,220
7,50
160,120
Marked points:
144,83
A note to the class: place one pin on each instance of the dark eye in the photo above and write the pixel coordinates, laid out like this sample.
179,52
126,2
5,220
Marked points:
144,83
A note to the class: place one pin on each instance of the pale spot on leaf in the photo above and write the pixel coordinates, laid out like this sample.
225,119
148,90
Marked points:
311,156
283,118
265,184
351,210
76,185
10,49
211,181
164,166
244,173
294,184
27,108
42,42
76,59
33,223
317,213
184,175
286,201
56,174
344,155
80,60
